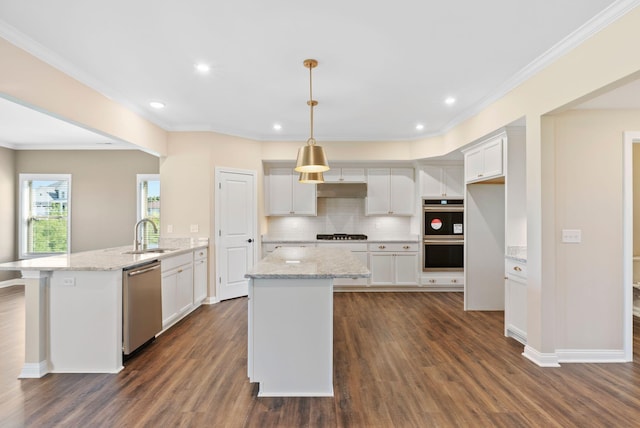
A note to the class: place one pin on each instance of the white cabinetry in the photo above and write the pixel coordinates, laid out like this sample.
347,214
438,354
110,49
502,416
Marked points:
390,191
443,281
442,181
199,275
485,161
345,175
393,264
287,196
515,310
177,287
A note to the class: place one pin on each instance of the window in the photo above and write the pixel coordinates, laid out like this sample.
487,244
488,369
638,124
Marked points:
149,206
45,213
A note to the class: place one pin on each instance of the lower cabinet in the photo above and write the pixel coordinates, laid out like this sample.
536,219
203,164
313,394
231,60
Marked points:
184,285
515,305
393,264
199,275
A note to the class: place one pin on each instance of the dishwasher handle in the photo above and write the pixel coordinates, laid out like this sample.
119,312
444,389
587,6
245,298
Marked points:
141,271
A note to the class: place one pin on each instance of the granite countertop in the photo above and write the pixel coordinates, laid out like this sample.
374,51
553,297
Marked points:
517,253
309,263
313,240
106,259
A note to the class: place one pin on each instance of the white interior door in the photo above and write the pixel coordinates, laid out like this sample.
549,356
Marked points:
236,219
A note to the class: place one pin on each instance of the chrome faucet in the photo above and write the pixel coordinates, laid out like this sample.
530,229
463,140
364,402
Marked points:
136,239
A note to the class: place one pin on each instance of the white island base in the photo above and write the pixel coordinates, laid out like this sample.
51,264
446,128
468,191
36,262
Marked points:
291,336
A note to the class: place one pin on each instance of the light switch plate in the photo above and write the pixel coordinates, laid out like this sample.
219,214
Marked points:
194,228
571,236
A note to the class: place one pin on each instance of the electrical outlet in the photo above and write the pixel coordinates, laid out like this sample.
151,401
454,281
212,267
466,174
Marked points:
71,282
194,228
169,228
571,236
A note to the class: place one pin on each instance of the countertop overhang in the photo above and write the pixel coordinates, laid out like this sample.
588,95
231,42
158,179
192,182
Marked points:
309,263
105,259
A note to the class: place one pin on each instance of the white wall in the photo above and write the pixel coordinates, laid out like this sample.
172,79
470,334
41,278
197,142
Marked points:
103,191
8,241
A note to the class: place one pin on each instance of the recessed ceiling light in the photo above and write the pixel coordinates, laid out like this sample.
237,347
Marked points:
157,104
449,101
277,126
419,127
202,67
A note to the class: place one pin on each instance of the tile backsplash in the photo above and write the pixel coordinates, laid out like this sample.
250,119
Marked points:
339,215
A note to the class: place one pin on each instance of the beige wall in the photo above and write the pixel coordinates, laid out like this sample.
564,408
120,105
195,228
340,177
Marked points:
103,191
589,197
187,177
7,211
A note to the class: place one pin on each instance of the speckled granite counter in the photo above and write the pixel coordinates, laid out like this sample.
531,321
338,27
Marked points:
308,263
106,259
517,253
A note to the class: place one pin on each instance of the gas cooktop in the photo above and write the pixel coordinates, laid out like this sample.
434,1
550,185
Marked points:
341,237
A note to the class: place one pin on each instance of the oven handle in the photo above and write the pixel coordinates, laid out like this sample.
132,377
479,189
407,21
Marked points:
443,208
444,241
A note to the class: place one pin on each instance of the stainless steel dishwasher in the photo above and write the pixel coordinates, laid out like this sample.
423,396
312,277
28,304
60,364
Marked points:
141,305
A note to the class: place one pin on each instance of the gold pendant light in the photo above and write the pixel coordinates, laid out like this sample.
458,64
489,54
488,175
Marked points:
311,177
311,158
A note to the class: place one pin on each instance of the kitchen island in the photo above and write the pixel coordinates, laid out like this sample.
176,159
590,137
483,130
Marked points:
73,307
290,348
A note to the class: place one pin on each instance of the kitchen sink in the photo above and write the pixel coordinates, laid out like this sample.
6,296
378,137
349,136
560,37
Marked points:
150,250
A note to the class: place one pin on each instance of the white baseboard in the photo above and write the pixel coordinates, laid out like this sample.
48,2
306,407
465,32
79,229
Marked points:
34,370
11,282
543,360
591,356
210,300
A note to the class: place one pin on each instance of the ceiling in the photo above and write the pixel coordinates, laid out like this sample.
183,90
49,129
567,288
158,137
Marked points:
384,67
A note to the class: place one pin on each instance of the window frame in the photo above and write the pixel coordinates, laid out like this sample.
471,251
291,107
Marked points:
24,211
141,178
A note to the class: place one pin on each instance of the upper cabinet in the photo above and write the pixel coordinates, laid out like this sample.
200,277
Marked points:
442,181
390,191
345,175
485,161
286,196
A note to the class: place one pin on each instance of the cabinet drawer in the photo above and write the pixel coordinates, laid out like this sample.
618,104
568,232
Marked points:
174,262
200,254
267,248
450,281
346,246
515,268
395,247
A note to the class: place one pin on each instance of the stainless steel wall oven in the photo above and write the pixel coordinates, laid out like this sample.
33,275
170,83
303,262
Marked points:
443,235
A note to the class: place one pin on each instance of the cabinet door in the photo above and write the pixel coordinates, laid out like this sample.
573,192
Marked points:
332,176
431,182
353,175
169,292
199,280
381,266
280,191
453,179
473,164
378,188
402,191
493,159
304,197
406,269
184,296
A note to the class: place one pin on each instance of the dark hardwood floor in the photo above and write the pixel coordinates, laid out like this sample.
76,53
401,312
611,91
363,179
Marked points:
400,360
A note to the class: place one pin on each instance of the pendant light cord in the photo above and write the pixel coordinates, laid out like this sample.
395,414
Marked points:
312,103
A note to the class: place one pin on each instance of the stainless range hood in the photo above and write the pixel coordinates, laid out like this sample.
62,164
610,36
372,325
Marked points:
341,190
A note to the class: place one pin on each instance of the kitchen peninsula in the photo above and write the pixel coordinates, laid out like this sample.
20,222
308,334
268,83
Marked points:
290,348
73,306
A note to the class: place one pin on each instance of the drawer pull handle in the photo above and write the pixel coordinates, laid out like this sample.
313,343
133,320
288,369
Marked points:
432,281
454,280
517,268
382,247
406,247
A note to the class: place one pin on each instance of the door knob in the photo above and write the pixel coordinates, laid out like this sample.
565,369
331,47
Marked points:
249,240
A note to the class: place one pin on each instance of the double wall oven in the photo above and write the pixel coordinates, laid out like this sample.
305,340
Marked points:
443,235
